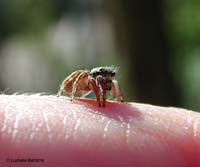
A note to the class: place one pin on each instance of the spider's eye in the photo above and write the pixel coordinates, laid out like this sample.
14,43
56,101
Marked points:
96,74
113,74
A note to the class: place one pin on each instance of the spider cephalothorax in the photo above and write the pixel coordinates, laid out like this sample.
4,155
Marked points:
99,79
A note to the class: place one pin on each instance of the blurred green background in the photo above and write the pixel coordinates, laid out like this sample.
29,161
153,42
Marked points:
155,44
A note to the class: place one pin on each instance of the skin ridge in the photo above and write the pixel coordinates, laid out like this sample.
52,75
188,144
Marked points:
134,113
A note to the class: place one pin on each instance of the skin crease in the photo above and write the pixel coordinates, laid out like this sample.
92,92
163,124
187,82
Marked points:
79,133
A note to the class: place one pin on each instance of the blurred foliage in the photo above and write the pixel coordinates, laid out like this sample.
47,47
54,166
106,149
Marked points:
25,16
42,41
183,20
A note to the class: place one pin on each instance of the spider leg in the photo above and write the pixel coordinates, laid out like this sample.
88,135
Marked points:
92,83
76,83
116,91
101,82
85,94
68,81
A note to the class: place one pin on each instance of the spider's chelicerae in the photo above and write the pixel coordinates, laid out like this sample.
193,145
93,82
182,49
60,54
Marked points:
99,79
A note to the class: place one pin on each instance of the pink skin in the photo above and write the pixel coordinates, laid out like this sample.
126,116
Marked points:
79,133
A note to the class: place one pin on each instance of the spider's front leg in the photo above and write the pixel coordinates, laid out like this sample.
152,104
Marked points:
76,83
116,91
94,87
66,84
101,82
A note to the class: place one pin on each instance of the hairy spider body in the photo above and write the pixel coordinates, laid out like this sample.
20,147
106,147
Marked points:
99,79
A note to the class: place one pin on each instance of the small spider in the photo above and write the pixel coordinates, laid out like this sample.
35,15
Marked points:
98,79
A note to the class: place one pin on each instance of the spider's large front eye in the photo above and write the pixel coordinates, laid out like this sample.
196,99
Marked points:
113,74
95,74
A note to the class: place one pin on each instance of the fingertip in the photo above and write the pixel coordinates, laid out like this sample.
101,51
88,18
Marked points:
120,133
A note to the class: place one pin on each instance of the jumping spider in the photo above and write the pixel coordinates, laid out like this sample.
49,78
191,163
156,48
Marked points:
98,79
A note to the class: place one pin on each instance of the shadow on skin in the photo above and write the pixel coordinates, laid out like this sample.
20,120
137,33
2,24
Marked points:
123,112
45,127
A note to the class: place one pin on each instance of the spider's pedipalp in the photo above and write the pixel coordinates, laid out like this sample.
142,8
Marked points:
116,91
94,87
101,82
